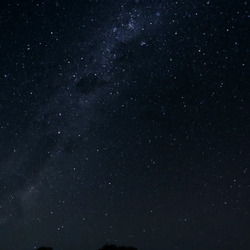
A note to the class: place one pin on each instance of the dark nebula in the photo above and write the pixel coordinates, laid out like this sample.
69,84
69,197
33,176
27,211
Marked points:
90,83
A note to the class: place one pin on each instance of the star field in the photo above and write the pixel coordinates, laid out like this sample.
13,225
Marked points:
124,122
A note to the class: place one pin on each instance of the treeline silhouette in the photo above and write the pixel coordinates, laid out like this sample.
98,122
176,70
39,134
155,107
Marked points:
105,247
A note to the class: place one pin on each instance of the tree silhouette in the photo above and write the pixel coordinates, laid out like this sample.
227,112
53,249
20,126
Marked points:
114,247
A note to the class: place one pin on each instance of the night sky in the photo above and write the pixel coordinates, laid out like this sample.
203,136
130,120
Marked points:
124,122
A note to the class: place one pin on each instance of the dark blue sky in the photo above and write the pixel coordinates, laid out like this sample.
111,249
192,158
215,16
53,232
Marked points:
124,122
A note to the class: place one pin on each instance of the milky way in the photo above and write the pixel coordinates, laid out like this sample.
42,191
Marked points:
124,122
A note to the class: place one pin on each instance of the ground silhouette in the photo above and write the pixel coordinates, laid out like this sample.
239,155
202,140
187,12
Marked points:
45,248
105,247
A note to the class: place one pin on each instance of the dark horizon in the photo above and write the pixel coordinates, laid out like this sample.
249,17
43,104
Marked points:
105,247
124,122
